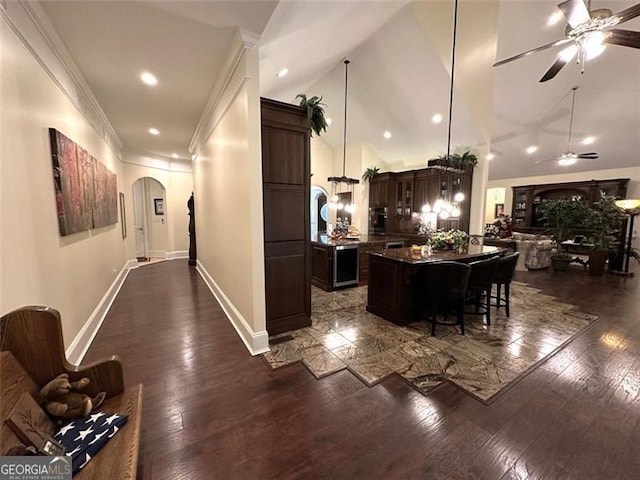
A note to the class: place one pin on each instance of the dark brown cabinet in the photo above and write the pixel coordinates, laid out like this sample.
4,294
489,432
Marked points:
286,190
379,190
321,271
408,192
526,198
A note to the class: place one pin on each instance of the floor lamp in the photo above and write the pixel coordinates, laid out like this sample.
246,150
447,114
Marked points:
631,208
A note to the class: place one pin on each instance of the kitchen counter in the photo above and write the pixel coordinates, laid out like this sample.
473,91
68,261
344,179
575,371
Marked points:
327,271
475,252
394,291
364,239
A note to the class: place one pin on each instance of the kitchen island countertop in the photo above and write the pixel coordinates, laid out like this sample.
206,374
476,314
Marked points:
323,239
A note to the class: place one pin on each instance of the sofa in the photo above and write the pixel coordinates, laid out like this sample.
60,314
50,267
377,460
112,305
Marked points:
535,251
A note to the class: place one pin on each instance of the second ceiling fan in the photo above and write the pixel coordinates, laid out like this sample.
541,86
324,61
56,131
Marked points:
569,157
587,31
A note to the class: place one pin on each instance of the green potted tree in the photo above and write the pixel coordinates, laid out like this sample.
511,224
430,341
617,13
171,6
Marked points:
563,216
605,221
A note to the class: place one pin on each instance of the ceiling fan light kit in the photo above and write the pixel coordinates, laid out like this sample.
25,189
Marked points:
590,31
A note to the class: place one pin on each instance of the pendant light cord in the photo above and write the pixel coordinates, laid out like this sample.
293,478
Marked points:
573,103
344,135
453,64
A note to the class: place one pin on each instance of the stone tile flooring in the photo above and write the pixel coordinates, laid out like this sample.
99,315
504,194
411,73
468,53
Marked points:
483,362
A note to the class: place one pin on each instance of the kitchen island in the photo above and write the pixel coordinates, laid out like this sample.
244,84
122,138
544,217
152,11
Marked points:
394,287
342,263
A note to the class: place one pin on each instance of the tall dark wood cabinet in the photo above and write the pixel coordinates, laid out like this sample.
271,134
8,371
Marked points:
286,191
527,198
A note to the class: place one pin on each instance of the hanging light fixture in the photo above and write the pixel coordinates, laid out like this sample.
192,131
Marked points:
443,208
337,182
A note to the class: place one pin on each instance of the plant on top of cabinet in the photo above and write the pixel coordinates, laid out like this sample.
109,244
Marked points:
369,173
315,112
454,161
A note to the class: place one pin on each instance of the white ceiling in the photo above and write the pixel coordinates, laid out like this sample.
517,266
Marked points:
397,81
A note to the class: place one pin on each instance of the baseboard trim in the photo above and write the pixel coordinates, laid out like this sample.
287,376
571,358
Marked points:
78,348
178,254
256,342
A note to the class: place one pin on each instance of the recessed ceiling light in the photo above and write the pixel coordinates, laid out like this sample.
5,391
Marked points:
175,155
490,156
154,131
437,118
148,78
532,149
387,134
554,18
282,72
588,140
329,121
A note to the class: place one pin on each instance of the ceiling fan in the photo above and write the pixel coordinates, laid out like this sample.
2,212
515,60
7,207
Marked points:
569,157
588,30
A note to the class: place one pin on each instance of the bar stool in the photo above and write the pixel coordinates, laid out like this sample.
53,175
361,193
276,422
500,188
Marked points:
480,283
444,285
502,276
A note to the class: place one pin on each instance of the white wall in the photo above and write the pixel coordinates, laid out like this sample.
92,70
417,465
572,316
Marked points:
228,201
38,266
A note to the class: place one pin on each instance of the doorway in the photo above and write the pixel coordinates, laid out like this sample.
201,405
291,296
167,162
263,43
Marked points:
150,219
319,210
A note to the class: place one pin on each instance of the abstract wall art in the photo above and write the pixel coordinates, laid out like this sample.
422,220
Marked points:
86,190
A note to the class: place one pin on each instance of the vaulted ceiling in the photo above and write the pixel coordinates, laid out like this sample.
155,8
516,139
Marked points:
398,78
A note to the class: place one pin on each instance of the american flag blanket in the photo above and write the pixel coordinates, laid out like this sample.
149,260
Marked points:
83,437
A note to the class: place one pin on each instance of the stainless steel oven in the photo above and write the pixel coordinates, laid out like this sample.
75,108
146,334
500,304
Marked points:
378,220
345,265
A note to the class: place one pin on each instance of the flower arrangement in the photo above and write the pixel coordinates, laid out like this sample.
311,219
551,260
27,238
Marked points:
451,240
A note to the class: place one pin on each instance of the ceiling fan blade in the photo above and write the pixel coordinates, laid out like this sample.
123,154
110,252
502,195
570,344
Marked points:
628,13
626,38
546,160
592,155
529,52
575,11
555,68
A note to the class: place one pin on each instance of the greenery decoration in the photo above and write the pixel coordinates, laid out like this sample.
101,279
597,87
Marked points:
564,216
369,173
315,113
451,240
606,222
459,161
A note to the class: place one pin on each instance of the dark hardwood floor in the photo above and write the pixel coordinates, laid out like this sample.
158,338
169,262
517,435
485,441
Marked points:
211,411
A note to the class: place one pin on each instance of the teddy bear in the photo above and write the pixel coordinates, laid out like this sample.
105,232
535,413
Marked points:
64,399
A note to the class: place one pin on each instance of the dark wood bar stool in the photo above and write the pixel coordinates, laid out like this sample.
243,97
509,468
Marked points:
480,283
502,277
444,285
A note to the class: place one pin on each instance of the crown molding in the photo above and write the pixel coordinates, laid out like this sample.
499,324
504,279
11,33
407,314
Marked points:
33,27
142,158
227,82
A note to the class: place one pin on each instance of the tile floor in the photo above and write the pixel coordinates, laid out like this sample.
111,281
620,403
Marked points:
483,362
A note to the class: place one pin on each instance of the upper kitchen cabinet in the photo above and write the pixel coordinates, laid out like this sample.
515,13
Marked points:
286,191
403,206
379,190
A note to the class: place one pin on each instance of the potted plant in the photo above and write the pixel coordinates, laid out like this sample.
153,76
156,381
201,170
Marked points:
315,113
563,216
455,161
369,173
606,221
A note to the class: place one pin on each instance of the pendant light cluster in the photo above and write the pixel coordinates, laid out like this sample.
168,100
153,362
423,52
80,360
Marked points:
338,184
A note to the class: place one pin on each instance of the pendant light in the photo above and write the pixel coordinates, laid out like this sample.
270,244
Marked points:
336,182
443,208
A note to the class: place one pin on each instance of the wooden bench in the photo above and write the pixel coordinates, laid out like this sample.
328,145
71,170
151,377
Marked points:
32,353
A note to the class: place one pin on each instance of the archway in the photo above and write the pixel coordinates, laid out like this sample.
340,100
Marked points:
319,210
150,219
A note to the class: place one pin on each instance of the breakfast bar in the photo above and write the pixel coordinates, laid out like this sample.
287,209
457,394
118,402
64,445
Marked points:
394,289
